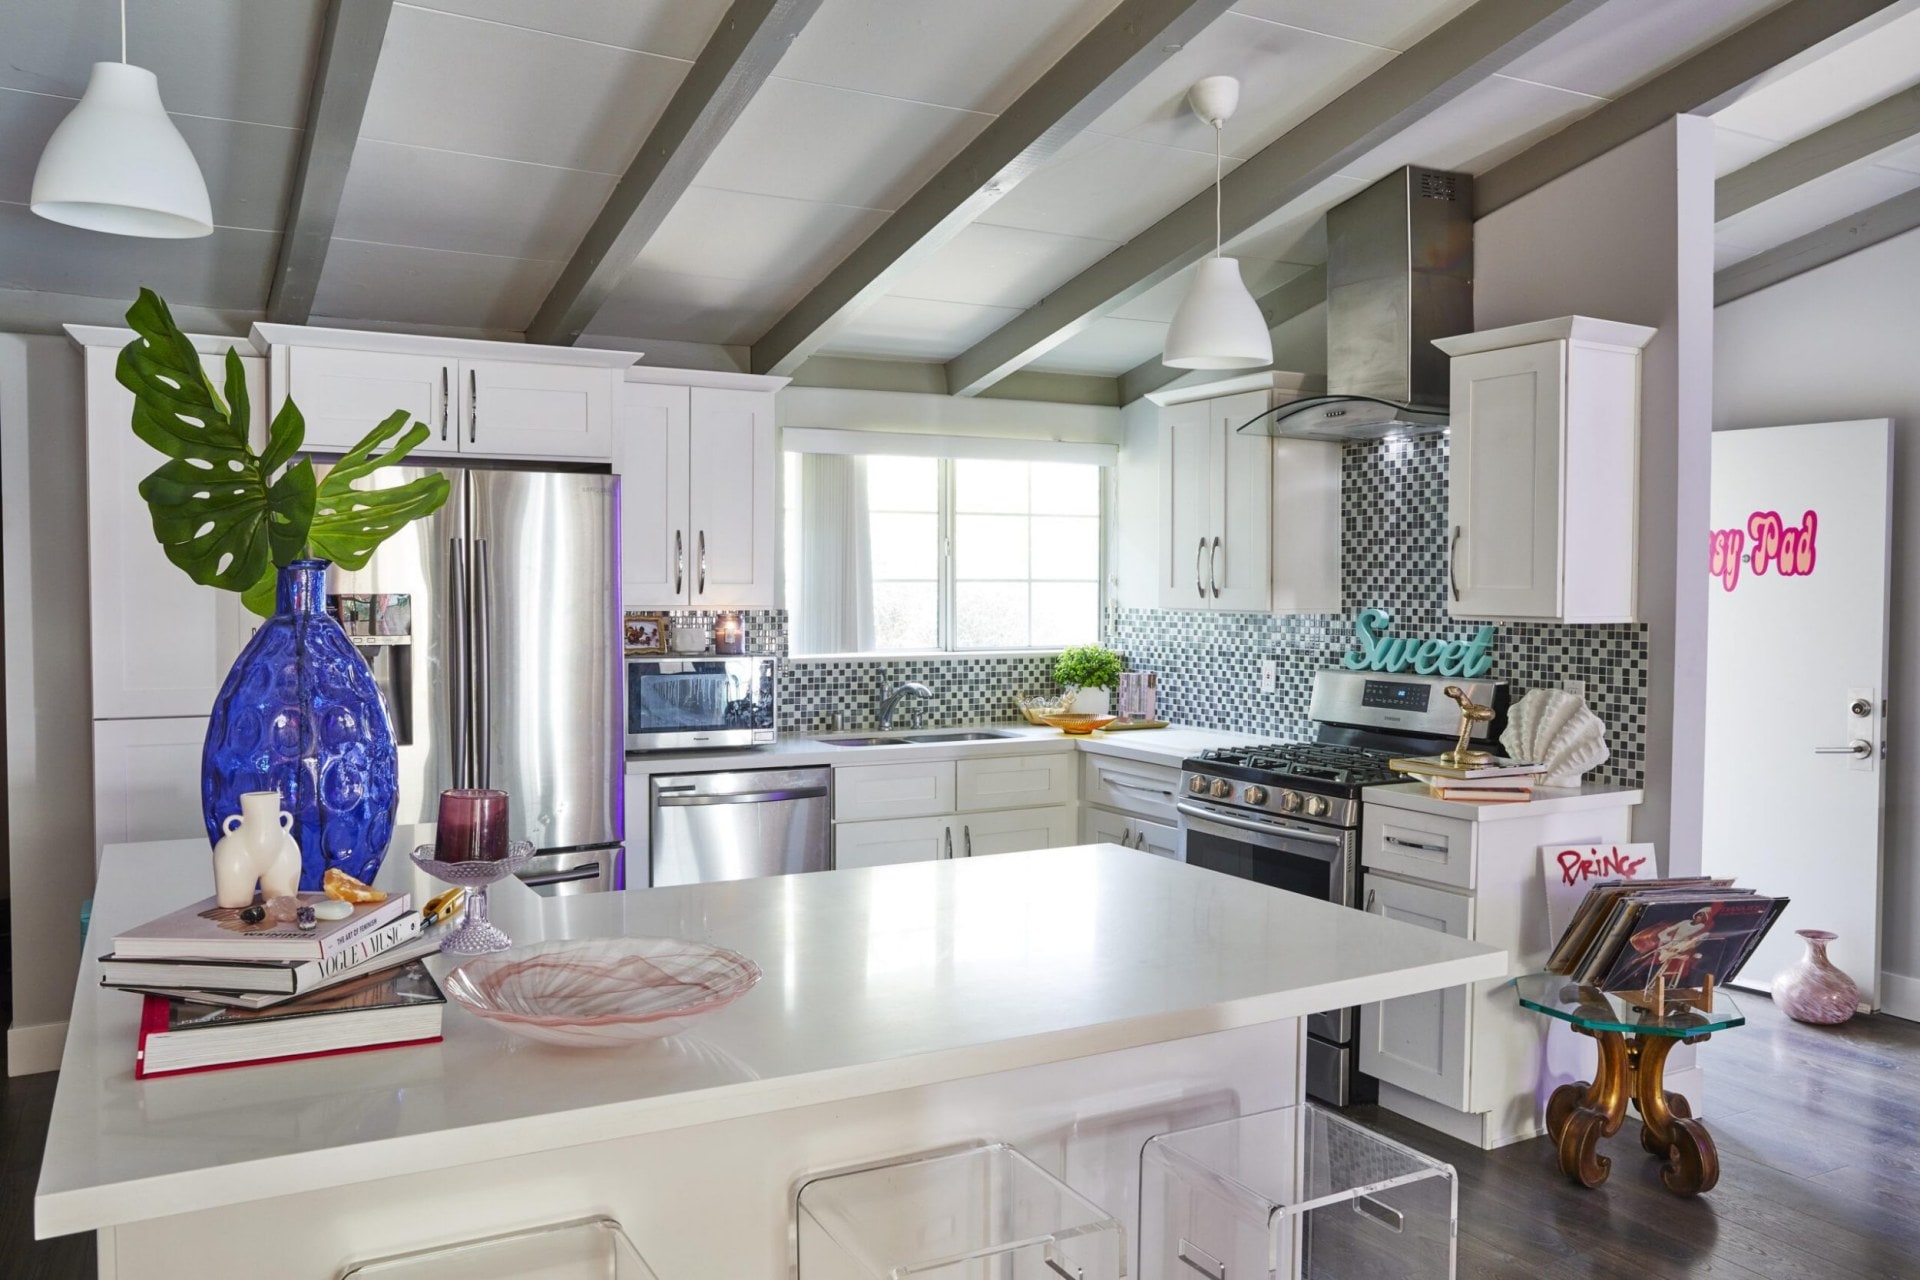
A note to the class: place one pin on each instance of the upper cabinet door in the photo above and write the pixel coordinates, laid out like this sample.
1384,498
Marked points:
650,456
345,394
1504,528
1186,504
1239,545
161,643
731,502
514,410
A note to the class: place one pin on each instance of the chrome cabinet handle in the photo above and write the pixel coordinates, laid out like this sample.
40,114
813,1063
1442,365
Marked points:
1398,843
1198,585
702,589
473,406
679,563
1453,557
1859,749
1372,895
949,841
966,836
1213,569
445,388
1119,783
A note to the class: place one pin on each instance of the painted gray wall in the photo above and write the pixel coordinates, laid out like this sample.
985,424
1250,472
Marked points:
1834,344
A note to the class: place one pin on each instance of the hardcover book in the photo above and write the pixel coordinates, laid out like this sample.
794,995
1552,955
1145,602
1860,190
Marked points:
259,985
1501,767
208,931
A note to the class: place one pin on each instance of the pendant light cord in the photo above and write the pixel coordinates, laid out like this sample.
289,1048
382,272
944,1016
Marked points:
123,38
1216,181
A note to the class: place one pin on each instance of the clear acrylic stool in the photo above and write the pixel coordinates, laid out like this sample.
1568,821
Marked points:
987,1213
1295,1192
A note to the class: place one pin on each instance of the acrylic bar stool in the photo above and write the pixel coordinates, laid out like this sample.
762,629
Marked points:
1295,1192
583,1249
987,1213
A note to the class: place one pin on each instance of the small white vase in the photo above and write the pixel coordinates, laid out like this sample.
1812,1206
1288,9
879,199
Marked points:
258,846
1092,702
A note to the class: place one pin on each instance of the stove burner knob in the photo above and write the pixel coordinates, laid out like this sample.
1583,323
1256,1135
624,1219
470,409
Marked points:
1222,789
1197,785
1317,807
1290,801
1256,795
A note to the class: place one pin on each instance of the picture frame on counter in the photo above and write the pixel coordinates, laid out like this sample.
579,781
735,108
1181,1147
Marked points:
646,633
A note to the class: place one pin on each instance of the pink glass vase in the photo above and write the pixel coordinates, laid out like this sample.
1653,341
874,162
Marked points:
1811,989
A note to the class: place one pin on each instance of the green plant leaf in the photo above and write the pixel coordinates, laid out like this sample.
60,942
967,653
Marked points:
349,523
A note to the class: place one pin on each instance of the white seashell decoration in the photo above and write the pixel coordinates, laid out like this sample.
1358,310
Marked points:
1554,728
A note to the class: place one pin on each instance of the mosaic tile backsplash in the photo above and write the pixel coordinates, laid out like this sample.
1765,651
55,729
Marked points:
1394,504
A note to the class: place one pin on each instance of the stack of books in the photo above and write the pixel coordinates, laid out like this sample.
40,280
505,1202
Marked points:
1501,781
223,992
1627,933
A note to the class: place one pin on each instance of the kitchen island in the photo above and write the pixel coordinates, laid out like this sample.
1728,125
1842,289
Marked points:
1072,1002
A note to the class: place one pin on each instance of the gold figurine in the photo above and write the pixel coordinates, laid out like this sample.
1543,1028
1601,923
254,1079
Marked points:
1471,713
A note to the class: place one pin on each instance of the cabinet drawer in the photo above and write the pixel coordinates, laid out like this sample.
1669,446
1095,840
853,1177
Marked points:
888,843
1014,782
1421,846
1013,830
1145,790
920,789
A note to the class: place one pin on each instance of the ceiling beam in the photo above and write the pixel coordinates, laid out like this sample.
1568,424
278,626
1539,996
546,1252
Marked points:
736,61
1886,123
1439,68
1277,306
349,51
1753,50
1115,56
1817,248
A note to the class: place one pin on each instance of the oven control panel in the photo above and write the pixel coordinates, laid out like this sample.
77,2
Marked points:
1231,795
1396,695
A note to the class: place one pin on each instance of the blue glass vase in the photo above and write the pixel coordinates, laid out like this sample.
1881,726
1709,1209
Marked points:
300,714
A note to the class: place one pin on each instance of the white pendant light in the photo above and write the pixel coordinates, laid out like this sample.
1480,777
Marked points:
117,164
1218,325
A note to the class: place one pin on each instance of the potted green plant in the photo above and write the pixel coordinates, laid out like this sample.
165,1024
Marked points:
1088,672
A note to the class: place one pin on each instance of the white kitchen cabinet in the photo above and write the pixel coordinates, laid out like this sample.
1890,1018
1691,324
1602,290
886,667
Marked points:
887,842
1105,826
161,644
1004,782
1420,1042
909,789
517,410
1543,471
146,780
1014,830
698,502
343,394
912,810
1224,542
1144,790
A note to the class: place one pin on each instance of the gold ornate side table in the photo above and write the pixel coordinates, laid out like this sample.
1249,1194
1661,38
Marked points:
1634,1036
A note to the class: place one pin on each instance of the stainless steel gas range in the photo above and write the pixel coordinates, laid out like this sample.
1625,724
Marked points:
1288,814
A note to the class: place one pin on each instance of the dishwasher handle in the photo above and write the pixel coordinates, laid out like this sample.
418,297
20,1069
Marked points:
665,800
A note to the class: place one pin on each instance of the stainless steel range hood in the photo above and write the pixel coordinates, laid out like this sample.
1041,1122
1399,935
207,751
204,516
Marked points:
1399,275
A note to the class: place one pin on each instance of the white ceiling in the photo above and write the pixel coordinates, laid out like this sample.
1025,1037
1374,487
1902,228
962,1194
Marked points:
496,129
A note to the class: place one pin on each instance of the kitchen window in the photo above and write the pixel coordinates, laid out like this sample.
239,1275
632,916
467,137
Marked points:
891,554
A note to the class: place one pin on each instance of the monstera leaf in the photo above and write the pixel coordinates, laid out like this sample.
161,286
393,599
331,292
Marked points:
232,518
215,511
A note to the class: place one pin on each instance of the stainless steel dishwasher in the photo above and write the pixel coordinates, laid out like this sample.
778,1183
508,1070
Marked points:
739,824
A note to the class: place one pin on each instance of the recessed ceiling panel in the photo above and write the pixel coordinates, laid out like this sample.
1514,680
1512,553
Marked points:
1624,43
229,269
431,286
917,329
688,308
1000,266
809,142
491,90
1486,124
1837,195
1108,346
1391,24
737,236
233,59
470,204
1104,188
1160,302
673,28
979,55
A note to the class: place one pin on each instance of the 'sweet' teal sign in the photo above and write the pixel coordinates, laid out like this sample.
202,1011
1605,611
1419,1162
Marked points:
1375,650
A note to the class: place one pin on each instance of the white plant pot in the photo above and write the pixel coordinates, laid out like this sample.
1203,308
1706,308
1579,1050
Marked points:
1092,702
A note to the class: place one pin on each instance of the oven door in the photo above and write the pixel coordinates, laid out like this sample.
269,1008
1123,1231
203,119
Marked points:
1296,856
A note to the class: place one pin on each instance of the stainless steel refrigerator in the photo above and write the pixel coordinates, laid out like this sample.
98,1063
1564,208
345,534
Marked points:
493,627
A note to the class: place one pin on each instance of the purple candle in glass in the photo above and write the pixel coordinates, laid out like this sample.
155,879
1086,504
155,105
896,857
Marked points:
472,827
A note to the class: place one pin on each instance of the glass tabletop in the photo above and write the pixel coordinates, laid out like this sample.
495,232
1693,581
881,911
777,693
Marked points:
1592,1009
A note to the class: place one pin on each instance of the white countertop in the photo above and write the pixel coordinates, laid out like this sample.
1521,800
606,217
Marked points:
875,980
1414,796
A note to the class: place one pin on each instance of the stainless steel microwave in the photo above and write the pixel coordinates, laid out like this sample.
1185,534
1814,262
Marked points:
676,704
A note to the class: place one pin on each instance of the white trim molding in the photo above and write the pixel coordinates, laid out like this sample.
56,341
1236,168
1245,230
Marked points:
913,445
35,1048
1900,995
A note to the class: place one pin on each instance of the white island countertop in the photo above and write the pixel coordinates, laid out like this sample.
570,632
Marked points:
875,980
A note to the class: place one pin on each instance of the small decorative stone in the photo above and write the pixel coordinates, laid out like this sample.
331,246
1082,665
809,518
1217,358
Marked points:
332,909
306,918
283,910
253,914
339,884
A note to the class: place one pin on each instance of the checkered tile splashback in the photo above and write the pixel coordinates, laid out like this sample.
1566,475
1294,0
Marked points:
1394,500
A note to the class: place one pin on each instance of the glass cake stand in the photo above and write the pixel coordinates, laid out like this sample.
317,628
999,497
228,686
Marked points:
477,935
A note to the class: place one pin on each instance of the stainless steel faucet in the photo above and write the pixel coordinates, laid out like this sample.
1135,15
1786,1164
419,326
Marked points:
892,700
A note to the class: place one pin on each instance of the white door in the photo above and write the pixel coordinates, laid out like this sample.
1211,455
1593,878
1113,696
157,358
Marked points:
731,503
1796,676
513,410
891,841
1014,830
650,456
1186,506
1238,548
146,780
1503,483
345,394
1420,1042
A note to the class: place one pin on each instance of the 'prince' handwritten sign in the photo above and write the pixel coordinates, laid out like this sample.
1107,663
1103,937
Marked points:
1378,651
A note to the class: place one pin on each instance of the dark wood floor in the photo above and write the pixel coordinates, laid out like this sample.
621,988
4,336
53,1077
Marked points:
1819,1137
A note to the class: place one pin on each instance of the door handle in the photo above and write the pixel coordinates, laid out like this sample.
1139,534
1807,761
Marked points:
1198,585
1453,555
702,589
966,835
948,834
1859,749
679,562
445,392
1213,569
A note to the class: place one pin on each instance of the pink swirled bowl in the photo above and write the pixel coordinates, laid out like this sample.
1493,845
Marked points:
600,993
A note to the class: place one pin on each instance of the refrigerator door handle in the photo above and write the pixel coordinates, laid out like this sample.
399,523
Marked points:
483,663
459,686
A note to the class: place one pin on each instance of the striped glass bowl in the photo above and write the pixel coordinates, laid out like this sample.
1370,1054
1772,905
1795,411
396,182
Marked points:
600,993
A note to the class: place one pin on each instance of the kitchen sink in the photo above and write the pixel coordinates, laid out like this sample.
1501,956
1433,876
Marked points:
867,740
977,735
